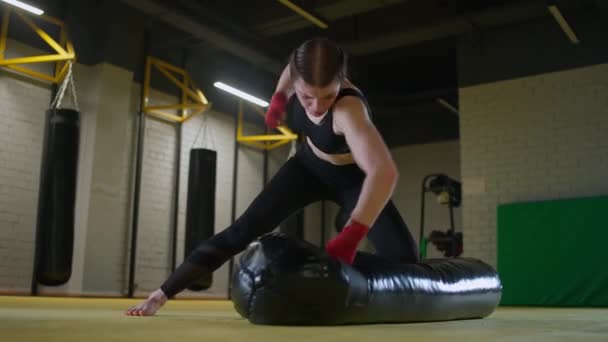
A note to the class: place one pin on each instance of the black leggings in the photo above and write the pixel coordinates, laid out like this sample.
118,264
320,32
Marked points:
302,180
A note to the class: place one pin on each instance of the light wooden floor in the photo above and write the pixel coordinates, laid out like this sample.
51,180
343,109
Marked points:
91,320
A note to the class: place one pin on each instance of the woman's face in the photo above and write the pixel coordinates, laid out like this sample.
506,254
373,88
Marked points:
316,100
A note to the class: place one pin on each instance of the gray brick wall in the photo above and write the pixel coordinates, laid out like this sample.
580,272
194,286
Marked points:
22,116
109,100
107,224
156,200
532,138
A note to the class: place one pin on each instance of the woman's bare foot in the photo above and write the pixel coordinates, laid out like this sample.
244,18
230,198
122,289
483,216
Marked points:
149,306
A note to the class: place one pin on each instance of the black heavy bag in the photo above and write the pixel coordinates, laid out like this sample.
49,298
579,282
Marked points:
55,226
284,280
200,210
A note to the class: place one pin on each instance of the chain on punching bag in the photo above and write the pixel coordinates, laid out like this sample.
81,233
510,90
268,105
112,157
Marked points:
57,194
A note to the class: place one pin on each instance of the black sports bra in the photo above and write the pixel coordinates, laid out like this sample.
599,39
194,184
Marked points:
322,134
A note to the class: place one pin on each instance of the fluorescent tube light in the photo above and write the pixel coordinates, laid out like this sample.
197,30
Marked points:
24,6
557,14
447,105
241,94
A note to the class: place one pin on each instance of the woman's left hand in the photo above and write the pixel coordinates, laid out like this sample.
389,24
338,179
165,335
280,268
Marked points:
344,246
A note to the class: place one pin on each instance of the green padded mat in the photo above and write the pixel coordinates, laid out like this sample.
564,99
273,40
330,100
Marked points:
554,253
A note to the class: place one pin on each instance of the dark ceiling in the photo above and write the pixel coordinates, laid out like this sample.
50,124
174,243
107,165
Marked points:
402,72
403,53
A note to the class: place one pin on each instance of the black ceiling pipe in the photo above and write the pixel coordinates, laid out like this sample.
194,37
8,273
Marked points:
234,184
138,168
178,161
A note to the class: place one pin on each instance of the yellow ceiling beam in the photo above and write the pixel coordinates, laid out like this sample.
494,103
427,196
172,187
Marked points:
304,13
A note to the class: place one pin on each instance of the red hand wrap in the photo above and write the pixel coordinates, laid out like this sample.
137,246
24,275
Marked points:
275,111
344,246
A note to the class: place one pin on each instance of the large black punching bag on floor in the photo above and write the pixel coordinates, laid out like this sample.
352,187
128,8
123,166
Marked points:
57,195
200,211
288,281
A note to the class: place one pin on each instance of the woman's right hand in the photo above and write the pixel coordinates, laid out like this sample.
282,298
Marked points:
149,306
276,111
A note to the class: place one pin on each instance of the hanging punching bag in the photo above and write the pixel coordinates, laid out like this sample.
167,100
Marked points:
200,210
57,194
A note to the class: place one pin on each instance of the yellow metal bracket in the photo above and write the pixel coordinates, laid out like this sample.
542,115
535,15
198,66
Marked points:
192,97
64,48
267,141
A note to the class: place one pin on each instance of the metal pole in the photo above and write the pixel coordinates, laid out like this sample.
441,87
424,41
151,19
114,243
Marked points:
174,222
178,157
452,229
421,233
323,217
138,168
234,186
265,179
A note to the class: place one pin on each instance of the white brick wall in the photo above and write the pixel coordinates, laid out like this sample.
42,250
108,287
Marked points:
154,243
533,138
250,172
109,101
22,117
276,158
107,223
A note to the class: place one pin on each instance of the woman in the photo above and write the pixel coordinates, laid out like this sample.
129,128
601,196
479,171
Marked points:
344,159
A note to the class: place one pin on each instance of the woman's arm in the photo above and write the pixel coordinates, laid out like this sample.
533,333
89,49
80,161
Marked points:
276,109
285,83
371,154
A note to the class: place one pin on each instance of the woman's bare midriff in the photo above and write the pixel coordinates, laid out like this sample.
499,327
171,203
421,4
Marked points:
336,159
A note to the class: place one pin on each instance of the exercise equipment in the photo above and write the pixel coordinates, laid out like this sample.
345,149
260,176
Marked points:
57,193
448,192
551,252
286,281
200,210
